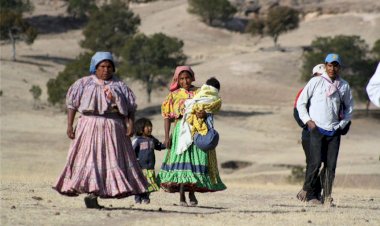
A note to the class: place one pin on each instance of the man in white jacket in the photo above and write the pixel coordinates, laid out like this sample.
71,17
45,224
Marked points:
326,94
373,87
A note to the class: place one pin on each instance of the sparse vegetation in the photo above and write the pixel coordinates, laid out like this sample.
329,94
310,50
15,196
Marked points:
150,59
147,59
12,25
255,27
281,19
36,92
211,10
142,1
81,9
376,50
110,27
57,88
297,174
358,62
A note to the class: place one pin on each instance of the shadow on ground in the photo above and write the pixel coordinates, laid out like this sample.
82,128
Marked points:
48,58
27,62
46,24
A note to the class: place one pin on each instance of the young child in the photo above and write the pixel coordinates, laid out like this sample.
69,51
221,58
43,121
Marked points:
144,145
208,100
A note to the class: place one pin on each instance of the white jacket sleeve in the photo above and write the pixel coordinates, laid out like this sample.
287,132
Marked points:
373,87
349,107
303,99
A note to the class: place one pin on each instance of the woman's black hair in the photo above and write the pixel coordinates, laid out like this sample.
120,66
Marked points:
213,82
113,65
140,124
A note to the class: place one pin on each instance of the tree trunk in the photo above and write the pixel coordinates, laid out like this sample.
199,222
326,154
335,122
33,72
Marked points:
149,87
149,91
275,37
13,40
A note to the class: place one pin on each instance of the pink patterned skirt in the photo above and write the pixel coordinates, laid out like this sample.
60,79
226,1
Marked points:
101,161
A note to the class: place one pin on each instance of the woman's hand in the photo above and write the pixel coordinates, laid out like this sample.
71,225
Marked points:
70,132
130,124
201,114
70,120
168,142
130,131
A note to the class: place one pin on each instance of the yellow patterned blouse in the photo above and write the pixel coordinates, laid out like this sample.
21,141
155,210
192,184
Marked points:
174,105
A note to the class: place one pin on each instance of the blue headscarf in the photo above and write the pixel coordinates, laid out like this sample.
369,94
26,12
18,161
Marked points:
98,58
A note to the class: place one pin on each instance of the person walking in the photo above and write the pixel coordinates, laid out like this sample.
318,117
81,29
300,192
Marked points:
331,107
313,197
373,87
144,145
193,170
101,161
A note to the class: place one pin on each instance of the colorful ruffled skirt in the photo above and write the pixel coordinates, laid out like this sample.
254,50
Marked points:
101,161
195,168
150,176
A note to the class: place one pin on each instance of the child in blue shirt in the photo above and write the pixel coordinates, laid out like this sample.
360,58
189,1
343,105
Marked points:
144,145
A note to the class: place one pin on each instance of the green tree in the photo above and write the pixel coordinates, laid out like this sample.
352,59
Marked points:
12,25
141,1
18,6
357,63
150,59
36,92
255,27
57,87
212,9
81,9
281,19
110,27
376,50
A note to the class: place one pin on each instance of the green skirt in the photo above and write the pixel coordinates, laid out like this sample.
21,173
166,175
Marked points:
150,176
195,168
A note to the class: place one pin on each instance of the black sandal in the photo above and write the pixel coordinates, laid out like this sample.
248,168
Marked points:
91,202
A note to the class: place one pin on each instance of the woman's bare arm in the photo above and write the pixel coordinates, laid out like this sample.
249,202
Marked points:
70,121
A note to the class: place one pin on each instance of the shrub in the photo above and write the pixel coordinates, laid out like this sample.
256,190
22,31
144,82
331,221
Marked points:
57,87
211,10
358,65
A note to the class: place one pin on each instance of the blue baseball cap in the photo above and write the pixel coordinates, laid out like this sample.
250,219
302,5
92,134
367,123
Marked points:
331,57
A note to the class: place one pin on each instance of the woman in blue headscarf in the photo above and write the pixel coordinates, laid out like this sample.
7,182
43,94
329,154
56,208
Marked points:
101,161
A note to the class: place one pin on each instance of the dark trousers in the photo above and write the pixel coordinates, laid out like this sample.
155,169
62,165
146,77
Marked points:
322,146
315,192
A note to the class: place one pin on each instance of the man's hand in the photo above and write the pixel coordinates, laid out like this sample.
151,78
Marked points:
311,124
